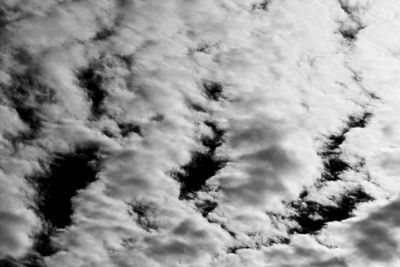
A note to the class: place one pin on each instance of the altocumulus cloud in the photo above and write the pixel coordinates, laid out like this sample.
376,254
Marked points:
199,133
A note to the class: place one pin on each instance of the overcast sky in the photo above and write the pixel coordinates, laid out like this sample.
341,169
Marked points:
199,133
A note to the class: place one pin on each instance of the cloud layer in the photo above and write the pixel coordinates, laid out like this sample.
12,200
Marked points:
199,133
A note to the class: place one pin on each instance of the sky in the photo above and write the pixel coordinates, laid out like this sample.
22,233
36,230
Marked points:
199,133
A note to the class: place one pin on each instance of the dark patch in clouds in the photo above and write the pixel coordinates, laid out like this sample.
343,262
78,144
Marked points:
358,79
127,128
350,33
333,167
196,106
213,90
202,48
66,175
333,164
235,249
202,166
43,243
350,28
345,7
359,121
206,206
334,141
223,227
30,260
141,213
194,175
56,187
312,216
214,141
104,34
263,5
91,80
158,117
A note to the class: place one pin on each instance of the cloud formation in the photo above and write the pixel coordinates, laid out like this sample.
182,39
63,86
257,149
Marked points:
198,133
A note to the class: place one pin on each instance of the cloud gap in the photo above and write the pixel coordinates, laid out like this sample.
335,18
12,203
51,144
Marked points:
206,206
127,128
333,164
91,80
350,28
312,216
202,166
56,187
263,5
213,90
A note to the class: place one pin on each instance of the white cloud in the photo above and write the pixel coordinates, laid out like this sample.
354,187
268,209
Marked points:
289,80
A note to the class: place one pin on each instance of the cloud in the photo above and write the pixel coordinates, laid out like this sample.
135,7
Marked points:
375,235
17,222
218,127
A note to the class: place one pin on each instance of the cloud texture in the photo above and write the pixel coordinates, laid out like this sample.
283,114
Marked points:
199,133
